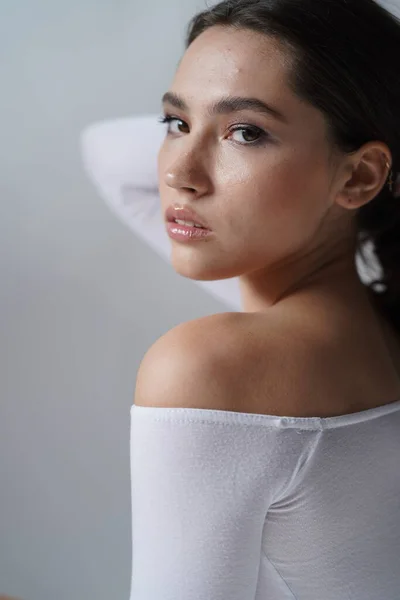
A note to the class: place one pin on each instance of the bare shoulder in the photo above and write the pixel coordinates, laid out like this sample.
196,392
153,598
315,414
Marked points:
228,361
282,363
186,367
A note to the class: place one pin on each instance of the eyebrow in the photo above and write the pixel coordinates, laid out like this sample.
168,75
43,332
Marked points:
228,105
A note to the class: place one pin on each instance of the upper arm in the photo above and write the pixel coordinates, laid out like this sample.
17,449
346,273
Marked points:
122,152
201,486
189,366
201,483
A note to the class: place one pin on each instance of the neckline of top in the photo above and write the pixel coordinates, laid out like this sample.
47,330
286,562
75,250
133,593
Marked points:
225,416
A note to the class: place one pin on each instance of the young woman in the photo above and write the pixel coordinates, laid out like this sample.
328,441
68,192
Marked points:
265,443
120,159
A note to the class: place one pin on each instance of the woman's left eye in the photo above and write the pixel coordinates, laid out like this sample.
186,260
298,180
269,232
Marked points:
254,131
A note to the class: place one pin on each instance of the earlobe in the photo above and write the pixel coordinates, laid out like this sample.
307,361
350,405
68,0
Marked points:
367,173
353,203
350,200
359,194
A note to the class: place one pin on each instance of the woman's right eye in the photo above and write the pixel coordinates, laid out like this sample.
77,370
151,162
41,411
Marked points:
169,119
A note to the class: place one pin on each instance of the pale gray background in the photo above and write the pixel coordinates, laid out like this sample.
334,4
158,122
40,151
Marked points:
81,298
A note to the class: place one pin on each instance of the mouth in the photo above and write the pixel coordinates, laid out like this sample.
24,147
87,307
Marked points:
186,223
187,233
185,217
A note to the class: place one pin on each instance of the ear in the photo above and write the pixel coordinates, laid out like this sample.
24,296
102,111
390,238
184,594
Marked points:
365,174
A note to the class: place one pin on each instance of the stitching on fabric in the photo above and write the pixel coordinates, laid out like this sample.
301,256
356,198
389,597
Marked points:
283,579
203,422
264,425
303,460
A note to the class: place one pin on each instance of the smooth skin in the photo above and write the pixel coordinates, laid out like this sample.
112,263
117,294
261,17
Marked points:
309,342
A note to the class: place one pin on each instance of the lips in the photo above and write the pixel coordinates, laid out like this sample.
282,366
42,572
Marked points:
185,214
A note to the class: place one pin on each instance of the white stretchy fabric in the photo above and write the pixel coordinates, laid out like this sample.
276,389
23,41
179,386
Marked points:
239,506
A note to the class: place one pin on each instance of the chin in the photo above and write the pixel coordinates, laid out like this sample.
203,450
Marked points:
200,270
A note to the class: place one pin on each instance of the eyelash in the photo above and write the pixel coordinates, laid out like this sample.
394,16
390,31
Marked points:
260,142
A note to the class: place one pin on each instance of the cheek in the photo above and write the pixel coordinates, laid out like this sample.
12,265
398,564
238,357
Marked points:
275,207
263,191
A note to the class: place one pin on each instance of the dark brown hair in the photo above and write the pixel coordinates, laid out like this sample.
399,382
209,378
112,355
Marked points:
345,62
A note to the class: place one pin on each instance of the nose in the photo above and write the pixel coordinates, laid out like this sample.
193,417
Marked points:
190,181
176,181
188,174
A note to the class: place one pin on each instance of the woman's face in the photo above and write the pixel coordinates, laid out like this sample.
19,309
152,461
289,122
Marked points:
266,189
